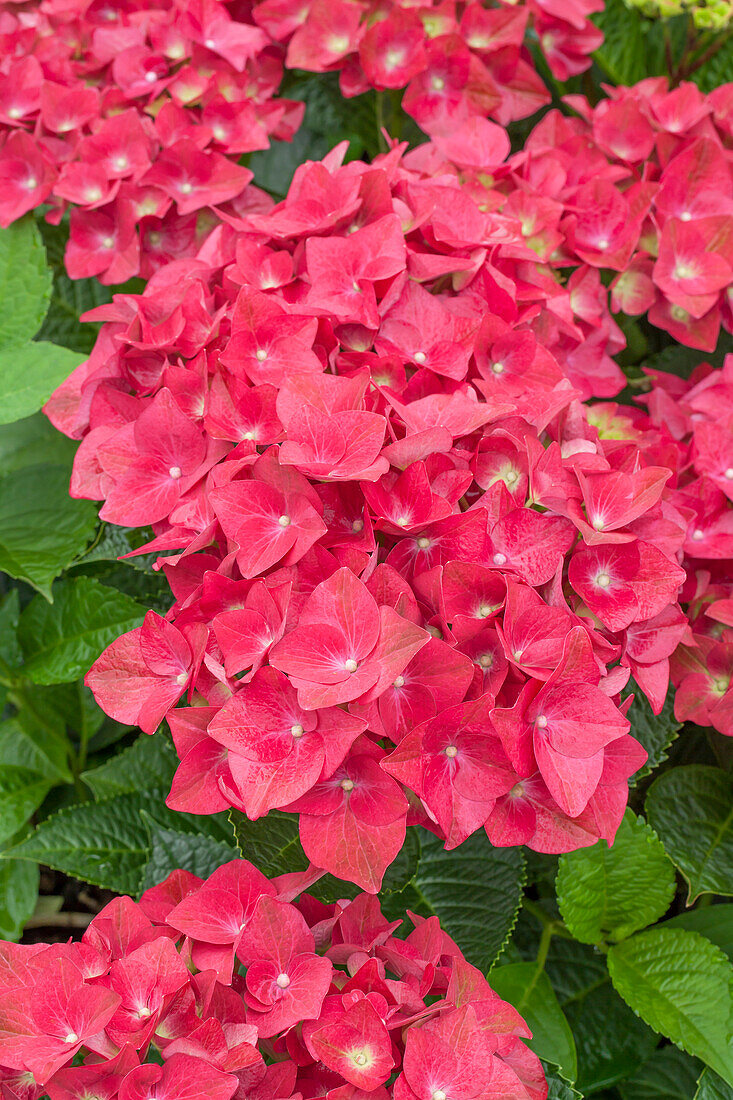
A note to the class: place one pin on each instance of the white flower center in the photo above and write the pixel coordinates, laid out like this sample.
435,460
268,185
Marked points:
282,981
284,521
175,472
297,730
351,665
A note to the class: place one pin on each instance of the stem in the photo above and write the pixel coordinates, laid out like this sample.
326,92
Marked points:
381,143
668,54
538,912
557,928
698,62
543,949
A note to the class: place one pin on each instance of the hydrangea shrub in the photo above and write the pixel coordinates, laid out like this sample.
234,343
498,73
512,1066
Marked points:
398,522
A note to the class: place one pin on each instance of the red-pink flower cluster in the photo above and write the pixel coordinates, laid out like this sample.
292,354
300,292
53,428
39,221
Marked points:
134,115
412,560
698,414
640,185
455,61
247,994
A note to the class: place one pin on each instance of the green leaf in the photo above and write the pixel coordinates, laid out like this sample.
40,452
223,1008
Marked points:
105,843
715,922
27,441
41,528
474,889
712,1087
272,843
608,1036
69,299
18,892
680,984
29,373
622,54
656,732
61,640
25,742
667,1075
609,892
170,850
717,70
10,656
149,763
557,1087
21,793
530,991
691,808
25,282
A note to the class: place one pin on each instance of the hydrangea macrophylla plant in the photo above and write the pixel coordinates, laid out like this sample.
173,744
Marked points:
134,116
226,988
409,561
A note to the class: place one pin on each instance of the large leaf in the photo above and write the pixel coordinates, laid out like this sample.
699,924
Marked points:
105,843
21,793
33,440
718,69
41,528
622,54
712,1087
61,640
557,1087
656,732
69,299
715,922
667,1075
27,742
474,889
680,984
529,990
25,282
171,850
272,843
10,655
691,808
608,1036
609,892
18,892
29,373
148,763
